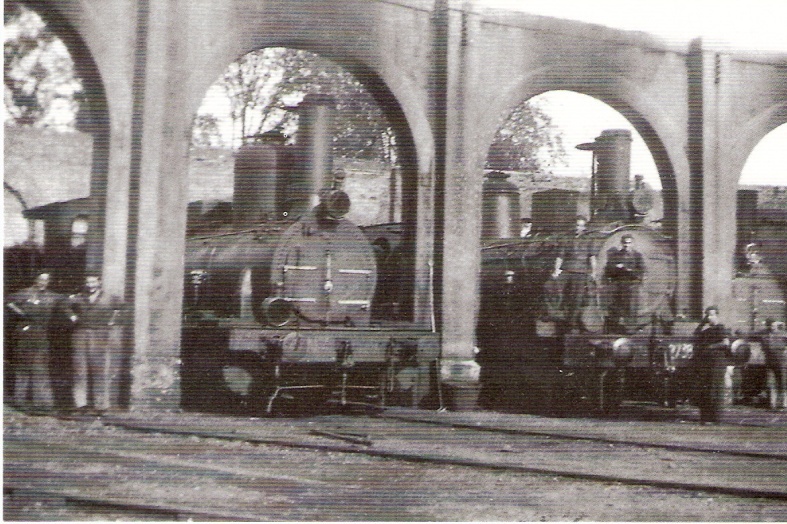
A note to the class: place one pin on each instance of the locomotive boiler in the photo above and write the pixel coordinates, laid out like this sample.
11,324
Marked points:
282,307
532,358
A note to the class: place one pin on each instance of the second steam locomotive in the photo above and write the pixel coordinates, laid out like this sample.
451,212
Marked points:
542,349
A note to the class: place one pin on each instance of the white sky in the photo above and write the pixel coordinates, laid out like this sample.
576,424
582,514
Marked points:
747,24
755,25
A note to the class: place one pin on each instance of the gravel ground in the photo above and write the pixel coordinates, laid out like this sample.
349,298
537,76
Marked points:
386,489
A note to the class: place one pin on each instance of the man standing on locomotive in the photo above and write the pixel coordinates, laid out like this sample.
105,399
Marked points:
711,347
625,269
575,270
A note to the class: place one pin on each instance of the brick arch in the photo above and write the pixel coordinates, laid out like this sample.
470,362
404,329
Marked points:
755,130
618,101
93,115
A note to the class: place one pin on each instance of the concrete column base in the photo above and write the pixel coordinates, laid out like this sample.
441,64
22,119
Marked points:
461,384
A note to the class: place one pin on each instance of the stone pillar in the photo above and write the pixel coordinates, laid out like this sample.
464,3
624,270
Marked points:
690,245
719,184
158,190
461,221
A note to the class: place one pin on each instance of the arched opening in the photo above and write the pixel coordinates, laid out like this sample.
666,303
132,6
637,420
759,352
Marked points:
760,285
57,135
276,136
559,156
55,166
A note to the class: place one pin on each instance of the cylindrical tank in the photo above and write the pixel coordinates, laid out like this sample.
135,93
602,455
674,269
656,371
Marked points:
259,170
554,211
315,137
612,154
500,208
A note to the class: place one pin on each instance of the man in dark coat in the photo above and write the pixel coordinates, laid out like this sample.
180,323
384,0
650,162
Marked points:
711,347
34,307
95,341
574,274
774,346
624,271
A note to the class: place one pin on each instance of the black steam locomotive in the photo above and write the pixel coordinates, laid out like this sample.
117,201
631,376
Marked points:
532,358
288,306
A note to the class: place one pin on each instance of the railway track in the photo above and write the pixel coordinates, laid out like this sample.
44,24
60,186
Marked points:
398,438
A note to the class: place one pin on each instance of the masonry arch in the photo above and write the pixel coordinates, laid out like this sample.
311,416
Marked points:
400,203
92,117
626,107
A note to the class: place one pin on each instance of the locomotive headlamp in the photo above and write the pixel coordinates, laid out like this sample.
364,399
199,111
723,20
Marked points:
622,350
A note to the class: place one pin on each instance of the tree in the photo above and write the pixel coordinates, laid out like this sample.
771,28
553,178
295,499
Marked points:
205,132
527,141
264,87
40,87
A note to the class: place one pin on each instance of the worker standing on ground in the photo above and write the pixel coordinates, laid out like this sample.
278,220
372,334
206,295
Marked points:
711,348
95,343
34,308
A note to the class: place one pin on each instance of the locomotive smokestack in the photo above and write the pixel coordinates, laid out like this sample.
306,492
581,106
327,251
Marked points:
315,137
611,171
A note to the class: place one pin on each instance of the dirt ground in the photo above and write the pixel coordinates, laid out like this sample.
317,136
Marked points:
386,489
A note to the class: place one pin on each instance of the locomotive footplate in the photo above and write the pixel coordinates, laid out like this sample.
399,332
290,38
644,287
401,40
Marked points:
235,367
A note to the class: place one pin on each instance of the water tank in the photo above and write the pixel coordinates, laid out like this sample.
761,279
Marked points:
259,169
554,211
500,207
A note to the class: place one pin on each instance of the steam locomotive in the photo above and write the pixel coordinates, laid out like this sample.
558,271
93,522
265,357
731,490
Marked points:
285,307
533,359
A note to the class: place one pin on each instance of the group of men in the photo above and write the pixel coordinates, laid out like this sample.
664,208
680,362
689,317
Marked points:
96,338
575,271
575,277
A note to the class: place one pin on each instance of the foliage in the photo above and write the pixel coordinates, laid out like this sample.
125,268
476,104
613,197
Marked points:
205,132
527,141
264,87
40,87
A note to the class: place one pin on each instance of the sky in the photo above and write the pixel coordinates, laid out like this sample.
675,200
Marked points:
746,24
754,25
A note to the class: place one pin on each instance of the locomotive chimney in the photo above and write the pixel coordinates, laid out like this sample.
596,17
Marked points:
609,187
315,137
258,166
500,207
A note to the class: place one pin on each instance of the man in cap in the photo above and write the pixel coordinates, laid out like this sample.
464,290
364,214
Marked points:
575,273
34,308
